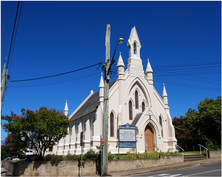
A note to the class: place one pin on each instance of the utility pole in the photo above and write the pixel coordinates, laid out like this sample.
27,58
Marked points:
106,103
107,65
4,78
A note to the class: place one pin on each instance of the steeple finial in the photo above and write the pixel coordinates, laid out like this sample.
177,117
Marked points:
148,67
66,110
101,90
101,84
165,96
149,72
120,61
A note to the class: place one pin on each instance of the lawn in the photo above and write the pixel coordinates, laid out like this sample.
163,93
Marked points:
192,152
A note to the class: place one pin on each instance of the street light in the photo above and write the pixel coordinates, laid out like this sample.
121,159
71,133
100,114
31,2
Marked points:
120,41
106,98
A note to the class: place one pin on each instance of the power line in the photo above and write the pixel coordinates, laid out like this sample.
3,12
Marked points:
189,65
56,82
13,32
16,29
56,74
188,85
175,75
6,30
199,69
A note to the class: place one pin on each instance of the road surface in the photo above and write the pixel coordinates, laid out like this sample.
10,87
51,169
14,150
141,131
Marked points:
208,170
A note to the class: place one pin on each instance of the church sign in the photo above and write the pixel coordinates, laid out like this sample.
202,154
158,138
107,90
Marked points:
127,136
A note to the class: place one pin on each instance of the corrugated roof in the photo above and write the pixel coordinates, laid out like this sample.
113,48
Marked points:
90,105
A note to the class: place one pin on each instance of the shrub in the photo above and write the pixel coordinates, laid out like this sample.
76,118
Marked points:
34,157
4,153
71,157
151,155
212,145
54,159
91,155
110,156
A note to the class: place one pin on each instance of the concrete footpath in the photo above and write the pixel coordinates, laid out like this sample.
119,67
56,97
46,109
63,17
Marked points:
166,167
5,172
141,171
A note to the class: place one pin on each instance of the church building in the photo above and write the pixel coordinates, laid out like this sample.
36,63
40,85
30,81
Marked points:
133,100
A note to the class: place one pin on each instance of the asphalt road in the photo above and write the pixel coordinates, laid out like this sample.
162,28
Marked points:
209,170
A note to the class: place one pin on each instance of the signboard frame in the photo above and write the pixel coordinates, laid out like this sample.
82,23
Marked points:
127,136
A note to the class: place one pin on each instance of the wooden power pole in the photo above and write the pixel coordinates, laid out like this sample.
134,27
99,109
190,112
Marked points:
106,102
4,78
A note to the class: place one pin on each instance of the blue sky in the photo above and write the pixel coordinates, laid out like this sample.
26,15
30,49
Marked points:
181,39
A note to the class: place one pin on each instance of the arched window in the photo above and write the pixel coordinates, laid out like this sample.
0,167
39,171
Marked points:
70,134
136,100
111,125
134,47
143,106
160,120
130,110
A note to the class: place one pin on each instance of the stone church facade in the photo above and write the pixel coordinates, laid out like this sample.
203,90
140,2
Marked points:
132,99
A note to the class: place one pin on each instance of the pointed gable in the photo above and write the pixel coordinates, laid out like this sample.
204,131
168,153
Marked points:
89,106
134,44
134,37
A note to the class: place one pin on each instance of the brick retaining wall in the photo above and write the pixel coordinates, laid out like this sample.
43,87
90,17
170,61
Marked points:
70,168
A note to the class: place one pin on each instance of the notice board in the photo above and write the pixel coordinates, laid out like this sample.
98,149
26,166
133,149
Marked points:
127,136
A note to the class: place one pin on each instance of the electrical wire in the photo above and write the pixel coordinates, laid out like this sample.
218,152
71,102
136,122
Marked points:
188,85
56,74
16,29
56,82
13,32
175,75
6,29
188,65
172,74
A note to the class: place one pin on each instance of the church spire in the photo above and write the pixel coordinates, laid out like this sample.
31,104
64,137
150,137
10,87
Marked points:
149,72
134,44
66,110
165,96
101,90
135,65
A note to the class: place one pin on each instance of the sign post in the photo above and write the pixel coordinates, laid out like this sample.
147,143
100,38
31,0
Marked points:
81,142
102,143
127,136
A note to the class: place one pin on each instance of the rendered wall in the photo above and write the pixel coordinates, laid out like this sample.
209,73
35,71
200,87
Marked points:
214,154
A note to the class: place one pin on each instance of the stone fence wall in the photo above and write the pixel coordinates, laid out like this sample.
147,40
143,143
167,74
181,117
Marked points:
70,168
214,154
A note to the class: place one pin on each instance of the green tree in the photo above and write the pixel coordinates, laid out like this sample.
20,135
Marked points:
41,128
4,153
205,124
184,139
14,145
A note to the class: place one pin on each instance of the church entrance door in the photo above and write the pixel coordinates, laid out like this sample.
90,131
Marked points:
149,146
